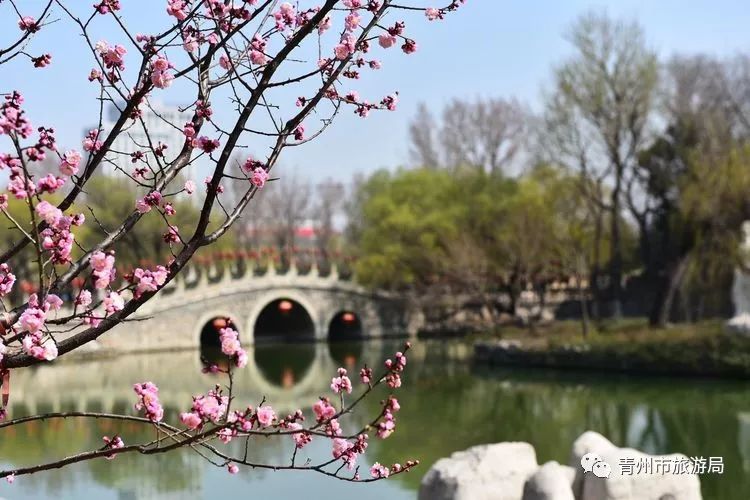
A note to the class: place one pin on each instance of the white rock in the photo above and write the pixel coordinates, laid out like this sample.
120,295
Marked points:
485,472
739,325
551,481
657,485
588,442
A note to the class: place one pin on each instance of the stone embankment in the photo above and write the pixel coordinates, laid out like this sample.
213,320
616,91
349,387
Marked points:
720,357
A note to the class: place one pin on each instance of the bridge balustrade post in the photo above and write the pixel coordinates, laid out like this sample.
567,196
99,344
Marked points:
334,274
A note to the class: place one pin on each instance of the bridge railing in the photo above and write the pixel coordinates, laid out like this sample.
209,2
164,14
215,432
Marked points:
223,268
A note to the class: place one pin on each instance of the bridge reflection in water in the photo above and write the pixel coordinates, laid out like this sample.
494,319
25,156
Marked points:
287,375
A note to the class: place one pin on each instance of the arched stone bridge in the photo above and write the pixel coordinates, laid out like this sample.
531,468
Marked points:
268,302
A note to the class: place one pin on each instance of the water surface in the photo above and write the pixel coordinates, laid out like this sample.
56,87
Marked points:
447,405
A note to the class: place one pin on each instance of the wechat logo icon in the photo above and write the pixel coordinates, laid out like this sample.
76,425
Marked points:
591,462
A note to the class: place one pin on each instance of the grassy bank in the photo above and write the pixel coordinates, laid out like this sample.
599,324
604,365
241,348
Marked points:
627,346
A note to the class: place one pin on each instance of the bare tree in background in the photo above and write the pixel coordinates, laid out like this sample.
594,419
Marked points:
282,207
422,131
483,134
328,204
598,118
737,78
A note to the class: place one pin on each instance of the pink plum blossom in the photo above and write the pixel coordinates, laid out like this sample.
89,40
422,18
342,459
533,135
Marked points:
7,279
379,471
48,212
259,177
341,383
160,76
433,14
409,46
352,21
70,161
29,24
300,438
148,401
323,410
91,142
324,25
112,443
103,268
346,47
225,62
265,415
386,40
83,299
191,420
176,8
230,345
113,302
299,132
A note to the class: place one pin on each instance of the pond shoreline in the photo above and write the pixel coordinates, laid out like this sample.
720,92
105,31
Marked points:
720,359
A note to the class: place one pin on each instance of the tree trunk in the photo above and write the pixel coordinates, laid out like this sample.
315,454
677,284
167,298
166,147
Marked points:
582,297
659,316
615,263
596,268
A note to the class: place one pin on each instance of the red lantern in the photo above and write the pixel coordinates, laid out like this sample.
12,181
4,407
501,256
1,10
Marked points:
285,306
348,317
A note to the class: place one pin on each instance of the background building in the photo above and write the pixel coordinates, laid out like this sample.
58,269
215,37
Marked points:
163,123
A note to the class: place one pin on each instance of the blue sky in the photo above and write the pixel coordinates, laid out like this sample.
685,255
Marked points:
488,48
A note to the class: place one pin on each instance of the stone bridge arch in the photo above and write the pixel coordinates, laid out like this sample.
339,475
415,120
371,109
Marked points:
208,316
174,318
266,298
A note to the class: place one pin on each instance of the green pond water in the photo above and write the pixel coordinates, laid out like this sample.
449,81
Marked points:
447,405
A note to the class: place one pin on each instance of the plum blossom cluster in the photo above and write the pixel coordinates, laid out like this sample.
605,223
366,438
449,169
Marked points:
257,172
12,118
161,77
395,368
57,237
147,280
112,443
113,58
348,451
107,6
7,279
388,425
148,401
35,343
342,383
210,407
103,268
28,24
151,200
69,162
113,302
301,437
218,54
230,345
